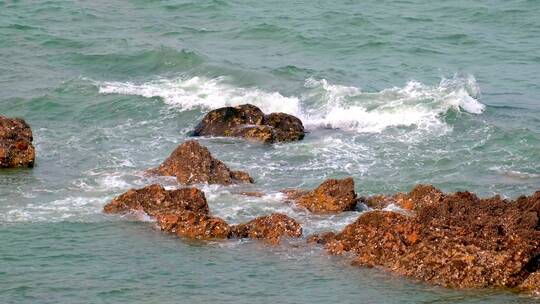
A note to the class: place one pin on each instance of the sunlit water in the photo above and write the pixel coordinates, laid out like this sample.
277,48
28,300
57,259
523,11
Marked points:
393,93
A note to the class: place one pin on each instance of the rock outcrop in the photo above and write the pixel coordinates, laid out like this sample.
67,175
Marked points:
271,227
455,240
16,149
154,200
192,163
194,225
332,196
420,196
248,121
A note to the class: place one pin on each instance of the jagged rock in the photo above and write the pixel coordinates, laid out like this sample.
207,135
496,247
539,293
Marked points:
154,200
272,228
455,240
532,283
192,163
16,149
332,196
194,225
420,196
248,121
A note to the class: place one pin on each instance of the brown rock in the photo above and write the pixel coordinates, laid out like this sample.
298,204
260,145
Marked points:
332,196
248,121
532,283
155,200
272,228
420,196
192,163
456,240
194,225
16,149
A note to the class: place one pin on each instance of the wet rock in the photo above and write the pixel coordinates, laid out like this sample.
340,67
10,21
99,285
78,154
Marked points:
272,228
154,200
192,163
16,149
194,225
248,121
531,284
322,238
420,196
332,196
456,240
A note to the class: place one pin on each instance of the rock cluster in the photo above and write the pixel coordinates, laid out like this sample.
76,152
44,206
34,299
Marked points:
185,212
16,149
455,240
248,121
192,163
332,196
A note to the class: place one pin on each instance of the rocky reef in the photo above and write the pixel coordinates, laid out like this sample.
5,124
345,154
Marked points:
248,121
16,149
185,212
455,240
332,196
192,163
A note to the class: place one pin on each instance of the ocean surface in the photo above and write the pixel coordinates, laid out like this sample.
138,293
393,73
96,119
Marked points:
393,93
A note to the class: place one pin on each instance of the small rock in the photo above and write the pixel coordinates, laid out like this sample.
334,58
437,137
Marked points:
271,227
194,225
332,196
16,149
192,163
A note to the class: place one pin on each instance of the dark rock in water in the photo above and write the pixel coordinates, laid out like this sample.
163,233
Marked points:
455,240
272,228
154,200
332,196
194,225
248,121
16,149
192,163
322,238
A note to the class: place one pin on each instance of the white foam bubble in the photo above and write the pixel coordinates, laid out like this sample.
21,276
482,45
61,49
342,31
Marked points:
206,93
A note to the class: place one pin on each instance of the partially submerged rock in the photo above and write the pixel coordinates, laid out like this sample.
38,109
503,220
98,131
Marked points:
194,225
192,163
456,240
154,200
420,196
16,149
332,196
271,227
248,121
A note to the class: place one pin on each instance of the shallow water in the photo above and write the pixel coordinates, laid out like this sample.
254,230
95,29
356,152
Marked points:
393,93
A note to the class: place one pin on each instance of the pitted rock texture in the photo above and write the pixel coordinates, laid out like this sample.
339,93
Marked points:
271,227
332,196
16,149
192,163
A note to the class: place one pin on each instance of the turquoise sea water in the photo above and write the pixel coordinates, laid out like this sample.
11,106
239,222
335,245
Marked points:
393,93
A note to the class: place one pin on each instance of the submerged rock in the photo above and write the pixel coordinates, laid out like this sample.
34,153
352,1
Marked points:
248,121
332,196
271,227
154,200
16,149
192,163
455,240
194,225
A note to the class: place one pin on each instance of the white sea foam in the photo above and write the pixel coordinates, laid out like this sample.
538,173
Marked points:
323,104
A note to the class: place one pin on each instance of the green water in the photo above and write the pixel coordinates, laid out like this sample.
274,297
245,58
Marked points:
393,93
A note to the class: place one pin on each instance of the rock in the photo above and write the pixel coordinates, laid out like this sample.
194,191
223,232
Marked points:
16,149
322,238
332,196
248,121
420,196
154,200
454,240
194,225
272,228
192,163
531,284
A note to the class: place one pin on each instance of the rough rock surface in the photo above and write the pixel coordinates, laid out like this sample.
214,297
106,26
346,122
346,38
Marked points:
248,121
332,196
154,200
192,163
455,240
271,227
194,225
420,196
16,149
